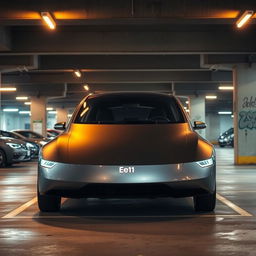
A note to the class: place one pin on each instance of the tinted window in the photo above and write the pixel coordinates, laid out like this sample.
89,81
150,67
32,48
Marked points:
130,109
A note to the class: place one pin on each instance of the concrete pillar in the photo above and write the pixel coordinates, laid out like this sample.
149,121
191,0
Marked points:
197,111
62,115
38,115
244,81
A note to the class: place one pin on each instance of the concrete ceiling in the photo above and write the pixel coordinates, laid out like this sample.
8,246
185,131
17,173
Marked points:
156,45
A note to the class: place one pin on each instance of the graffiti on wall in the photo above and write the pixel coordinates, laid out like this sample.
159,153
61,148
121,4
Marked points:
247,118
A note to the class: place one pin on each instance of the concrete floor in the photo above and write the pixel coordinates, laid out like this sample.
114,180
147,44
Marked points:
155,227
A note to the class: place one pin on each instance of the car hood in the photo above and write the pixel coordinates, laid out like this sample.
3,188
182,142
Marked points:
12,140
127,145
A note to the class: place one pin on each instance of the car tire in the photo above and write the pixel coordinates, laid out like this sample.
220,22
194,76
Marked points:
47,203
205,203
3,160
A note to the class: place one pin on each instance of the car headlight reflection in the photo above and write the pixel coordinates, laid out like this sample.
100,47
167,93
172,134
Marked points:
47,164
13,145
205,163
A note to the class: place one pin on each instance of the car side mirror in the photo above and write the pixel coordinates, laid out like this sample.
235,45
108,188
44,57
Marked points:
198,125
60,126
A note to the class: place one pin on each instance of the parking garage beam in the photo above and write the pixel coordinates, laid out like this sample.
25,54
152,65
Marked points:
197,111
38,115
244,80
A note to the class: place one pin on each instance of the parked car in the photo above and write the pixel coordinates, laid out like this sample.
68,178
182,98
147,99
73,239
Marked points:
13,151
32,146
32,136
128,145
227,138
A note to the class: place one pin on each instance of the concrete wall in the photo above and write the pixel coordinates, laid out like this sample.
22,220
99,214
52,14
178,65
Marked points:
217,124
11,121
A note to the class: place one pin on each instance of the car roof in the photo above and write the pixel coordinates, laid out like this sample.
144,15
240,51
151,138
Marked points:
129,93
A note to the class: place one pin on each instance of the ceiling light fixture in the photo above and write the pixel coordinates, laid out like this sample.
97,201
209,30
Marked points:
48,19
27,103
211,97
52,112
49,108
86,87
8,89
226,87
24,112
21,98
244,18
224,112
10,109
77,73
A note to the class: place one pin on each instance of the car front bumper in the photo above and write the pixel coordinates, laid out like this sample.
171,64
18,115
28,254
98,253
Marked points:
69,180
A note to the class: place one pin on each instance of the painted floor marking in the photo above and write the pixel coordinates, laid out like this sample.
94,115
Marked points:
233,206
20,209
236,208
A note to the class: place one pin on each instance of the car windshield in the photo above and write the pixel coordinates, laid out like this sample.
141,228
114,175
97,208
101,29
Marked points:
129,109
31,135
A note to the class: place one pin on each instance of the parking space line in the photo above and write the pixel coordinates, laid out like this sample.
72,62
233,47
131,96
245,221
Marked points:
129,216
236,208
233,206
20,209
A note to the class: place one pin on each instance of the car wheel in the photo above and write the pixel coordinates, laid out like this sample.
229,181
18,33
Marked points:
3,161
205,203
47,203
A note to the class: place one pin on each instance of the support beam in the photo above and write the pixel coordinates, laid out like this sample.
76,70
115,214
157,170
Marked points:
56,62
119,77
5,41
34,40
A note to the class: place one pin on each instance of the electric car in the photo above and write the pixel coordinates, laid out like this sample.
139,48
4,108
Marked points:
128,145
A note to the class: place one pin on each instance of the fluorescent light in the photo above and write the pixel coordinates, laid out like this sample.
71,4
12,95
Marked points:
52,112
48,19
10,110
232,116
69,115
187,110
211,97
187,102
86,87
185,107
226,87
224,112
27,103
24,112
21,98
49,108
8,89
77,73
244,18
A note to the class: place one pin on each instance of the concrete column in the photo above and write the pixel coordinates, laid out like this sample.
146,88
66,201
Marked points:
38,115
62,115
244,80
197,111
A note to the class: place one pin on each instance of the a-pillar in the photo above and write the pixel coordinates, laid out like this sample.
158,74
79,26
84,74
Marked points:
197,111
244,81
62,115
38,115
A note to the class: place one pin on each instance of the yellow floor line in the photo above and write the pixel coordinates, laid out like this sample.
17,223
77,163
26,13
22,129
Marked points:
130,216
20,209
233,206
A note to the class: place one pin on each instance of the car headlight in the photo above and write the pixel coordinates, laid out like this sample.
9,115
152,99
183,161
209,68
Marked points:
29,145
13,145
205,163
47,164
